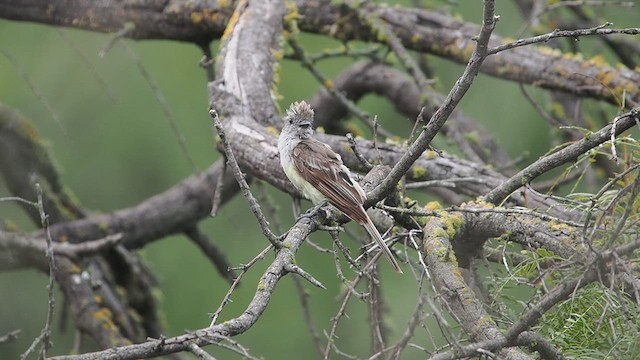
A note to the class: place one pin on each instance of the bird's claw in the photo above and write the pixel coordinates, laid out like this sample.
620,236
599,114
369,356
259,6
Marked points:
314,210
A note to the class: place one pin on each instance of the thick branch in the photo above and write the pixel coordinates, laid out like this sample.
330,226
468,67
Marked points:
420,30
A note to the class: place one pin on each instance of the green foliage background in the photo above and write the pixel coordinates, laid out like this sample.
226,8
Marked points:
115,152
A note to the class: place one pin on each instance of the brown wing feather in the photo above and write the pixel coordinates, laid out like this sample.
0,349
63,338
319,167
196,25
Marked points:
323,168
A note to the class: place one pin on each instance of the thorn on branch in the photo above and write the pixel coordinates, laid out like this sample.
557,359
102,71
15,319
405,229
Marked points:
295,269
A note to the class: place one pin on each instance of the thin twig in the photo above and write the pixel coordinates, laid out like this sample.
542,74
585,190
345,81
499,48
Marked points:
397,47
11,336
166,110
237,173
354,147
45,335
227,296
295,269
306,313
343,250
34,89
217,192
199,353
350,287
348,104
126,30
334,326
598,30
415,150
89,247
19,199
44,222
569,153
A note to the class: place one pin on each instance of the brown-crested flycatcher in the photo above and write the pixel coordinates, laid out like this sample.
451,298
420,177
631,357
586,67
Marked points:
319,174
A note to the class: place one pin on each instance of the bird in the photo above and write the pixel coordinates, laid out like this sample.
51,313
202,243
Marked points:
319,173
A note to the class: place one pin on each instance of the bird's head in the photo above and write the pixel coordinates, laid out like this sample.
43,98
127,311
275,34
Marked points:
299,120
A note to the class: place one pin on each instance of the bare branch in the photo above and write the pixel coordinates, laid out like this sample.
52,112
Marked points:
570,153
440,117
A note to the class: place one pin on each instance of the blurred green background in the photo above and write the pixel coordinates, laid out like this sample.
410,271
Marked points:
115,148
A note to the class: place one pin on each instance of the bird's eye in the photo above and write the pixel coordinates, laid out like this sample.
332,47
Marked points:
290,121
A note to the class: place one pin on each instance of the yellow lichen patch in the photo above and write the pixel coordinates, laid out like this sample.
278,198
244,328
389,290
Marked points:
277,54
9,225
630,87
394,140
452,223
598,60
273,131
576,57
292,12
485,321
353,129
196,17
424,97
328,84
233,21
215,17
31,132
562,227
416,38
433,205
104,225
546,50
422,220
440,233
468,50
557,110
430,154
473,137
75,269
606,76
262,286
478,203
103,315
418,172
63,238
224,3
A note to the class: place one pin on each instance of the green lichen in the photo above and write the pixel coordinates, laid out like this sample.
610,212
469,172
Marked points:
430,154
433,206
473,137
418,172
557,110
262,286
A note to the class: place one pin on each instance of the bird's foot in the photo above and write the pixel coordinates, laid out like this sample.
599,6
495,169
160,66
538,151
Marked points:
315,210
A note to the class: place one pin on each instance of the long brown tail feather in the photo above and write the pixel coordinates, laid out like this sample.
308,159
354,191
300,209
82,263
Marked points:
371,229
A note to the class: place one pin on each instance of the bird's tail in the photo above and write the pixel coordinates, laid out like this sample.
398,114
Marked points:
371,229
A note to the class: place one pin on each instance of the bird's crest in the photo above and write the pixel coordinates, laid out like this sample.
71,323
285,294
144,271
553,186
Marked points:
300,109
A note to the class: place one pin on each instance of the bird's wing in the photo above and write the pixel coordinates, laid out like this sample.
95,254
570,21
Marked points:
323,168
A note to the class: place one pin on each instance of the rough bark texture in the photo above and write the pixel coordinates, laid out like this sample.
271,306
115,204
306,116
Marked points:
490,210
